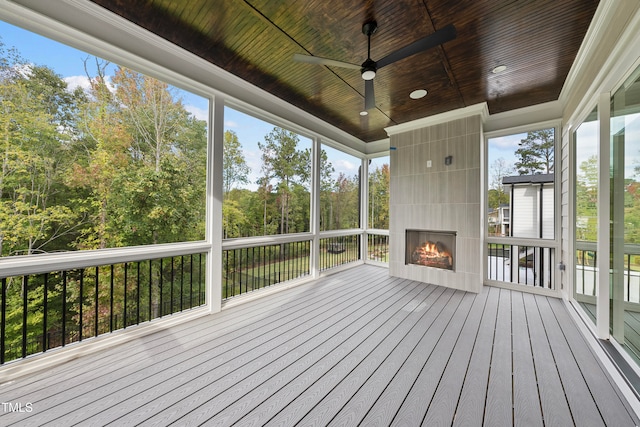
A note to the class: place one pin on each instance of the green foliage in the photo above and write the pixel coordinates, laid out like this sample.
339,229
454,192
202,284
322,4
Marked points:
536,153
379,179
234,168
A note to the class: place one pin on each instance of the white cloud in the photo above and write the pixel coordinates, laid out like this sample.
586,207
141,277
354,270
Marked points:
344,165
198,113
230,124
74,82
83,82
510,141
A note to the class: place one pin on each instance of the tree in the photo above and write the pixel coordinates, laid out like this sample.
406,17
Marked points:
587,200
496,195
281,161
34,151
103,154
379,180
155,118
234,169
346,207
536,153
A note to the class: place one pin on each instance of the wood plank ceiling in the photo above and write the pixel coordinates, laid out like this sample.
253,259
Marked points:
256,39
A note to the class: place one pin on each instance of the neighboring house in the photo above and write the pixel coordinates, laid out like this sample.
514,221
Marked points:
499,220
532,207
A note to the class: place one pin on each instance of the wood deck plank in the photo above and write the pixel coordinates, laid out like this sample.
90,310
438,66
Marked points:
471,404
226,322
442,409
128,386
338,397
354,347
555,408
575,387
280,397
526,409
311,397
427,364
499,404
605,395
219,372
414,355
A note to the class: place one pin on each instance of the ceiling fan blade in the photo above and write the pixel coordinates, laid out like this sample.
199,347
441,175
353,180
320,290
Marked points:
441,36
323,61
369,95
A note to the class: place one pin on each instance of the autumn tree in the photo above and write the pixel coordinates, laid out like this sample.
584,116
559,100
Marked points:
102,154
167,148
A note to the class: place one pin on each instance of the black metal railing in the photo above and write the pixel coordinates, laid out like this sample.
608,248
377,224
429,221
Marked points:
250,268
586,270
378,247
43,311
339,250
534,265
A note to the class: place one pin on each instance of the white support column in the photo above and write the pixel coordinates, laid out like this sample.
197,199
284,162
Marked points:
364,207
315,208
604,196
214,205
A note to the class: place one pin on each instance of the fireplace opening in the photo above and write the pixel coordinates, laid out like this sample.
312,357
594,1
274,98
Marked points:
431,248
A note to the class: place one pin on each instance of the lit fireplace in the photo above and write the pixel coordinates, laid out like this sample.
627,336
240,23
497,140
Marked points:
431,248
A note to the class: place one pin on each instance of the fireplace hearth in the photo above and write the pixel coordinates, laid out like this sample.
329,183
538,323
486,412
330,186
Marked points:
431,248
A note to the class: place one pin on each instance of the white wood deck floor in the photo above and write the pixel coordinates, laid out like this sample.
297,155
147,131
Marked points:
354,348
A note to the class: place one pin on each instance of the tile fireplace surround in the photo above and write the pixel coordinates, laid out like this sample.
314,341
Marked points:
428,194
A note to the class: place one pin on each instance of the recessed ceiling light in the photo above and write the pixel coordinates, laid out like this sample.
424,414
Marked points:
364,113
417,94
499,69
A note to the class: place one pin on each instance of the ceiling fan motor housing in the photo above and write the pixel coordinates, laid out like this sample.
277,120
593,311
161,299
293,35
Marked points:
369,67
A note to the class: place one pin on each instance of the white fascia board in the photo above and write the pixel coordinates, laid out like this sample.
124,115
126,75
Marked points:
448,116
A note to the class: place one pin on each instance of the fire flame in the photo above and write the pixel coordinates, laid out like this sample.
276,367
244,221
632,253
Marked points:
430,253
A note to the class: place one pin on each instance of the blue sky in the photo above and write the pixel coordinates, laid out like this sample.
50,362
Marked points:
68,63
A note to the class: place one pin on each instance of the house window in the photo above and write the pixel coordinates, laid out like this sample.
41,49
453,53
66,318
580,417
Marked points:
95,155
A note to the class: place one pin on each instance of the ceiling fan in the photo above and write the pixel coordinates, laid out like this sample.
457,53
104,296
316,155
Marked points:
369,67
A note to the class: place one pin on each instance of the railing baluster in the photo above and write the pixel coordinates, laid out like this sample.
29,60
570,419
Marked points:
45,311
80,304
191,281
161,286
64,307
111,285
150,289
95,305
3,317
138,293
125,317
173,276
628,277
25,311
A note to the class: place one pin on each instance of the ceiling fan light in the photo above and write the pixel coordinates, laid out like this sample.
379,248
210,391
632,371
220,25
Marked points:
364,113
368,69
368,74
